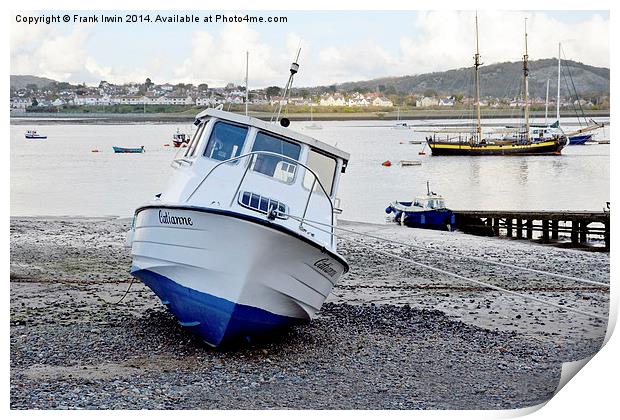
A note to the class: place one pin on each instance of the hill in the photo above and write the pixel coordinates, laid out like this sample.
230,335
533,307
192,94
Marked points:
496,80
20,82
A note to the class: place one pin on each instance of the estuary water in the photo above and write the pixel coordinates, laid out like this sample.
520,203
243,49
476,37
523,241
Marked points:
63,176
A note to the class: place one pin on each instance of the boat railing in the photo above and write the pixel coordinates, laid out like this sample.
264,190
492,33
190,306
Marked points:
251,157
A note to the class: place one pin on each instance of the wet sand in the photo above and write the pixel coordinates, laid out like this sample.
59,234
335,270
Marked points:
392,335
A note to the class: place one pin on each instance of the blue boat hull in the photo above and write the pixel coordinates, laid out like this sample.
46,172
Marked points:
440,219
127,149
579,140
35,137
219,322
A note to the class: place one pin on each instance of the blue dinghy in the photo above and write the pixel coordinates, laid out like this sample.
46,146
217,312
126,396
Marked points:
128,149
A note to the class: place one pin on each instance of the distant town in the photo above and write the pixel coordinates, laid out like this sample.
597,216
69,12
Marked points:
151,97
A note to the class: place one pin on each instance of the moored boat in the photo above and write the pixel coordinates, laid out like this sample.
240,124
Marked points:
128,149
180,139
519,141
427,212
227,246
33,135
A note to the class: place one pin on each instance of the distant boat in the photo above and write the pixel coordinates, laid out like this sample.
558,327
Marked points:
576,137
180,139
33,135
128,149
400,125
313,126
428,212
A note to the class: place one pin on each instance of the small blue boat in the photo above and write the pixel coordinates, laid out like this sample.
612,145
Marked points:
428,212
128,149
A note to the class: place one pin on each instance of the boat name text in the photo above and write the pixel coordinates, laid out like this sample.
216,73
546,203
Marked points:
166,219
325,266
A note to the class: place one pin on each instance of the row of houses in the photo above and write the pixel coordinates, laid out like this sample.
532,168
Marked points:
355,99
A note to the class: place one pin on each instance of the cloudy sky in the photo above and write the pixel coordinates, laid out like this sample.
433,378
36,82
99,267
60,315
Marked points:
336,46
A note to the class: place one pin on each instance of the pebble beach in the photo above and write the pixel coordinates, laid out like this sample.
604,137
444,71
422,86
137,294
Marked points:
392,335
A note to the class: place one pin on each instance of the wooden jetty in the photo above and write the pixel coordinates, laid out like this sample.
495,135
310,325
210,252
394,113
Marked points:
549,224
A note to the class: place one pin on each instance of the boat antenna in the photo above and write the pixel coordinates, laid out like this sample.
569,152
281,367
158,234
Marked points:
247,64
477,64
547,103
294,69
557,105
525,79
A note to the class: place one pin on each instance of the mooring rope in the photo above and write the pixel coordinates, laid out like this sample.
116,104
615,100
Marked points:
124,295
423,248
458,276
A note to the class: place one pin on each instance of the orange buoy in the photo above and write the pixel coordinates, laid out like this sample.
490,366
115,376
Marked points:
387,163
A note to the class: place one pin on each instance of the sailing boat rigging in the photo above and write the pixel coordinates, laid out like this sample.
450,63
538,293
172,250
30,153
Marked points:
313,125
475,144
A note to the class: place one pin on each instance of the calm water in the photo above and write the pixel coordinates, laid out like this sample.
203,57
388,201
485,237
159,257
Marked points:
62,176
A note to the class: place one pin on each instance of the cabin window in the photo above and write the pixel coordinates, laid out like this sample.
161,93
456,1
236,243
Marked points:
277,167
325,169
226,141
191,147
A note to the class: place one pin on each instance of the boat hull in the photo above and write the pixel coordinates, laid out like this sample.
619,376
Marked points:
438,219
549,147
30,137
579,140
229,277
127,149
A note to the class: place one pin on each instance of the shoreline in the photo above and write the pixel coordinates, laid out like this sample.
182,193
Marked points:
109,118
390,336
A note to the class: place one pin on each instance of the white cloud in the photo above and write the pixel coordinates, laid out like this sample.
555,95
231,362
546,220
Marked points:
442,40
435,41
220,58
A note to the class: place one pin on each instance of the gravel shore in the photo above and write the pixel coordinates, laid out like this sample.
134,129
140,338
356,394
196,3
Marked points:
391,336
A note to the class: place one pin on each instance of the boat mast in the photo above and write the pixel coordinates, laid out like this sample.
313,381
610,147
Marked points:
247,64
547,102
557,105
525,74
477,64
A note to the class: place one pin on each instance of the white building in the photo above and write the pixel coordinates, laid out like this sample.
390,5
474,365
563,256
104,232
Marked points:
382,101
426,102
333,100
20,103
446,102
91,100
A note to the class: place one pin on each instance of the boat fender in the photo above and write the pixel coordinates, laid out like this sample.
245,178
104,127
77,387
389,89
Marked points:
388,209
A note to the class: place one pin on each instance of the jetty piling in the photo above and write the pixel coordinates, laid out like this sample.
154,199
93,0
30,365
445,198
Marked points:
550,226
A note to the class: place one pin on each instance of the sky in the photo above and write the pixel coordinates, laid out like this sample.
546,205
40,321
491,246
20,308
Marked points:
335,46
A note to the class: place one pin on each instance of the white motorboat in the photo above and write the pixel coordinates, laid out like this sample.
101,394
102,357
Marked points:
228,245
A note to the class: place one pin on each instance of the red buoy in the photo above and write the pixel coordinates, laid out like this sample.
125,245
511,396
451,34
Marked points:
166,145
94,150
421,152
387,163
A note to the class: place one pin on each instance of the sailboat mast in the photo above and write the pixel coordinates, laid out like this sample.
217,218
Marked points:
247,64
526,95
477,64
547,103
557,104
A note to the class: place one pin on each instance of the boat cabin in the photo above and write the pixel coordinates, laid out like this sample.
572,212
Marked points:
259,169
430,202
